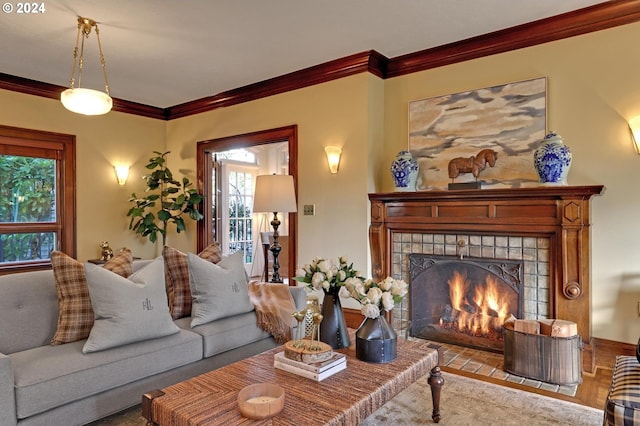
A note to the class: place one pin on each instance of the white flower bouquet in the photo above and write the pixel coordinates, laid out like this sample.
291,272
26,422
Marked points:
375,297
327,274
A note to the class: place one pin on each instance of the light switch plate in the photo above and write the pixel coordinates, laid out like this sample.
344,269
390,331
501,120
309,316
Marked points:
309,209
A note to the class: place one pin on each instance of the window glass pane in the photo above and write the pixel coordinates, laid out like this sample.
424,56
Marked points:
28,190
240,204
25,247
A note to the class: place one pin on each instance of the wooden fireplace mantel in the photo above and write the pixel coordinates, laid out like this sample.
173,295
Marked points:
560,213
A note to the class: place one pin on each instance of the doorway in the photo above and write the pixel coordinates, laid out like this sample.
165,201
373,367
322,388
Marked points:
226,170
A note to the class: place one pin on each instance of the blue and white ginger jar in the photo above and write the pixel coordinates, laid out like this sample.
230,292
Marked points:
552,160
404,171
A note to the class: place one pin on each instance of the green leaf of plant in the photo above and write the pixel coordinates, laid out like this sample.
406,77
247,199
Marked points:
164,215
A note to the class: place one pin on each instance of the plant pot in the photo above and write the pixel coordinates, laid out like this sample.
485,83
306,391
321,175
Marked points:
333,329
376,341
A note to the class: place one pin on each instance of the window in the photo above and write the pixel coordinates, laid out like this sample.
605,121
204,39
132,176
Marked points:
37,197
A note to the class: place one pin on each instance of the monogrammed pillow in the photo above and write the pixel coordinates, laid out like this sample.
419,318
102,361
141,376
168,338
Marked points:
75,316
218,290
127,310
177,276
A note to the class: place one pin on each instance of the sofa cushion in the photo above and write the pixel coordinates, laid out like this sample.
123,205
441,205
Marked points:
28,310
75,316
50,376
127,310
177,272
218,291
226,333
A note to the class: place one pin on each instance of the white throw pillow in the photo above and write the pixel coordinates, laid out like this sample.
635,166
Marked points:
218,290
127,310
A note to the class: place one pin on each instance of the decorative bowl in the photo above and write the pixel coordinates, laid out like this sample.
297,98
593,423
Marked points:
261,400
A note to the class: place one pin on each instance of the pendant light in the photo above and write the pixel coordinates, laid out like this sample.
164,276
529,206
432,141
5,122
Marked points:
81,100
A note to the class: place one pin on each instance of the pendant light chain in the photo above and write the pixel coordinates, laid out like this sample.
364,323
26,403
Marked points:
102,61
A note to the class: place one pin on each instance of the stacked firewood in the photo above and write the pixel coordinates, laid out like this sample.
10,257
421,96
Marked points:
546,327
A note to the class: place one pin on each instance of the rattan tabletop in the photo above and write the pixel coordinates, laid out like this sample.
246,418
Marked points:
345,398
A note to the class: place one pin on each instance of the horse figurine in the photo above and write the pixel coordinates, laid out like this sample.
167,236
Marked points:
473,165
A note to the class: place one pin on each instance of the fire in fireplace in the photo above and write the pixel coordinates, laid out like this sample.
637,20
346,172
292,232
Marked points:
464,301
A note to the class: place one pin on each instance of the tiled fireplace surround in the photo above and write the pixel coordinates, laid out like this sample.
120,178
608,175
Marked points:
546,227
534,252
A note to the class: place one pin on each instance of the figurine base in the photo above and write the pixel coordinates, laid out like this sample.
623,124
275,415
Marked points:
466,185
304,354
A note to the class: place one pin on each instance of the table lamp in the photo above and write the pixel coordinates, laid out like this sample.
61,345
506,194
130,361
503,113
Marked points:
274,193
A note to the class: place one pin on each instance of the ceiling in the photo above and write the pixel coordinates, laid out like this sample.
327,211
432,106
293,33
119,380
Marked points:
166,52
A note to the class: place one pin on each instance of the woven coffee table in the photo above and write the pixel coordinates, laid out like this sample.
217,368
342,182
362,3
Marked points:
346,398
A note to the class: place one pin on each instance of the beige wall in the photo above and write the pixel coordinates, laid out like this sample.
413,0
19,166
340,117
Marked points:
101,142
593,89
333,113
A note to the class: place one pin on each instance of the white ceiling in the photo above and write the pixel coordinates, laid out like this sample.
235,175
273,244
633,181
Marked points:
165,52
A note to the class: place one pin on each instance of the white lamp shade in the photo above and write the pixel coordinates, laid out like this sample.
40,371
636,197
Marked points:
333,157
122,173
86,101
274,193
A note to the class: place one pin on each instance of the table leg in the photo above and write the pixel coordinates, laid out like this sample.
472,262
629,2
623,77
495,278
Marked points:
147,400
435,382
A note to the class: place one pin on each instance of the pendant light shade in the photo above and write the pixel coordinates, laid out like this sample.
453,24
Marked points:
81,100
86,101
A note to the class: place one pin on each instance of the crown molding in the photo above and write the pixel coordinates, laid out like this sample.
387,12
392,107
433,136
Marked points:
594,18
53,91
369,61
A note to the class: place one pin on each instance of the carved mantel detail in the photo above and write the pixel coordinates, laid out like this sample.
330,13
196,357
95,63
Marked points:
560,213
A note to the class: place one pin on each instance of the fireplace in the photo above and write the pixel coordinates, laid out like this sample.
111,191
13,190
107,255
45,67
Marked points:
464,300
547,228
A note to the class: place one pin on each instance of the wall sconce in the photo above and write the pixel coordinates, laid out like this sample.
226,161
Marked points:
122,173
333,157
634,126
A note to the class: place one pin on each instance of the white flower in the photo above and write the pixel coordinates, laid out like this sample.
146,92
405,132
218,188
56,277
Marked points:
387,301
342,275
317,279
386,284
326,285
374,294
345,292
303,271
370,310
399,288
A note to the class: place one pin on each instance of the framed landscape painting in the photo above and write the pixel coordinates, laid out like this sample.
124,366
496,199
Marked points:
510,119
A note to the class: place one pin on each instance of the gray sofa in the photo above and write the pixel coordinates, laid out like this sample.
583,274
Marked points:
49,385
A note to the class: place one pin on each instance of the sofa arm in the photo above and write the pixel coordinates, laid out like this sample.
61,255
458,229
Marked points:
299,295
7,392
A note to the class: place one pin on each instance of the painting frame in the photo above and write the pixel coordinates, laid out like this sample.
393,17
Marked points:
509,118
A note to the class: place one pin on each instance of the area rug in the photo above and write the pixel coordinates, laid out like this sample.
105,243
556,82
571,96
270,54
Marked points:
464,401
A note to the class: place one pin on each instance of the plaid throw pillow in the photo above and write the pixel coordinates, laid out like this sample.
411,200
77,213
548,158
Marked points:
75,316
176,267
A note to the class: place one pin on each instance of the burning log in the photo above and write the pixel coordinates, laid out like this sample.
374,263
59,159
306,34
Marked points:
449,314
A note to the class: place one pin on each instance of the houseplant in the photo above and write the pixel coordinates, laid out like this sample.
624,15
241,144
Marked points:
375,339
330,275
167,201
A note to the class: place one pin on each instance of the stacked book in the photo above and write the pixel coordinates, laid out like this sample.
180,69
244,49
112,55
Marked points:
317,371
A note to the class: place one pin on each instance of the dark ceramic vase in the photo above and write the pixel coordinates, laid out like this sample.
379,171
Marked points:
333,329
376,341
